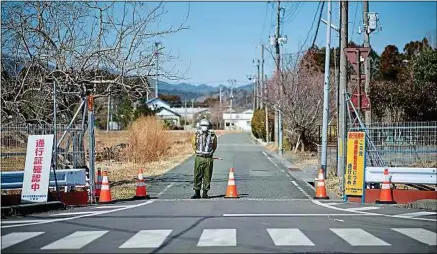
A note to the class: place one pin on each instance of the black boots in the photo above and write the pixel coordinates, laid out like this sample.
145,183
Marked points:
205,194
196,194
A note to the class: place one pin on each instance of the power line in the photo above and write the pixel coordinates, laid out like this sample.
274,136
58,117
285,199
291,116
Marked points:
318,25
264,22
311,28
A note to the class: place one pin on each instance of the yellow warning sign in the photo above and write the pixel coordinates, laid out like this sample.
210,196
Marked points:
354,177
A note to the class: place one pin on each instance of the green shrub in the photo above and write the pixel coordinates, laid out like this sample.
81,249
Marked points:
258,124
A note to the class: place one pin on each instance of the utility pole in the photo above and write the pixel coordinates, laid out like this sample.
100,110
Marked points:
264,94
185,109
278,75
109,110
157,67
367,113
258,85
232,83
341,145
323,159
262,85
220,107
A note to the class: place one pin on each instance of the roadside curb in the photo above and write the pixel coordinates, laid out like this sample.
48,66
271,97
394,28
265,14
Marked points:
25,209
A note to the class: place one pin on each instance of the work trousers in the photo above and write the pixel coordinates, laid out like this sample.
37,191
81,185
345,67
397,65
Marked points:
202,171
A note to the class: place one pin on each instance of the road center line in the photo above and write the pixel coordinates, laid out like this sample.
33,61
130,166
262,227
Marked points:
165,189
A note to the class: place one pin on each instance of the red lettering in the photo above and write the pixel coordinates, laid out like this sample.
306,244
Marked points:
37,169
37,161
35,186
36,178
39,151
40,143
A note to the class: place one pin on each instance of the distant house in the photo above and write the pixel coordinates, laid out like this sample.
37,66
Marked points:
191,114
165,113
238,121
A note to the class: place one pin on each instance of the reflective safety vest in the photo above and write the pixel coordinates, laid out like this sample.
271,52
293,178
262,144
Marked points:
205,142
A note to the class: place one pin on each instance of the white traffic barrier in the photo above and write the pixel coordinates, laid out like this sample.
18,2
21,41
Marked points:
65,177
402,175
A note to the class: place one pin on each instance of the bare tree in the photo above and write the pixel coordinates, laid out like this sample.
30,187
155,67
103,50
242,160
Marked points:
85,47
301,100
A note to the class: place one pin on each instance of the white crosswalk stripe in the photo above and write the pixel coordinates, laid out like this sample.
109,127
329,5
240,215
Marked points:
419,234
358,237
221,238
147,239
289,237
14,238
218,237
75,241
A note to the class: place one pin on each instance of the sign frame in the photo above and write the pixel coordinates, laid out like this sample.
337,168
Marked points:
36,175
360,164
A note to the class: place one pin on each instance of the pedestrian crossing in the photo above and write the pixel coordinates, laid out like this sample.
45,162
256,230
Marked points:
146,239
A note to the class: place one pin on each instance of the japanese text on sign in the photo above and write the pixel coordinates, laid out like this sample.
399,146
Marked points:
37,168
355,163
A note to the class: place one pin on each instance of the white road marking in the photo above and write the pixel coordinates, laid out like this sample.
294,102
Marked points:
81,216
289,237
146,239
332,203
18,221
14,238
317,202
300,189
419,234
218,237
292,214
165,189
75,241
358,237
416,214
111,206
364,208
72,213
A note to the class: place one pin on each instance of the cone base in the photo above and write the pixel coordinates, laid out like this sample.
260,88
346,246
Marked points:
385,202
141,197
232,197
321,198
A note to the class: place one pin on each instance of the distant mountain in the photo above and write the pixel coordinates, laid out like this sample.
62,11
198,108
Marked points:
198,92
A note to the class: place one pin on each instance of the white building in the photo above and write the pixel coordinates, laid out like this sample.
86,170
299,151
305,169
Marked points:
165,113
190,113
238,121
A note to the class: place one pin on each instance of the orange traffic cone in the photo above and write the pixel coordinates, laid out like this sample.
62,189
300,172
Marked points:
98,183
385,196
105,193
141,186
231,191
320,187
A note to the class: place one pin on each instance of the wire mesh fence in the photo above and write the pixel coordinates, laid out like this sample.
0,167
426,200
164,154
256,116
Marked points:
409,144
71,152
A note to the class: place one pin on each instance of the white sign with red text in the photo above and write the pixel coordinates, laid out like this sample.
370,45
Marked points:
37,169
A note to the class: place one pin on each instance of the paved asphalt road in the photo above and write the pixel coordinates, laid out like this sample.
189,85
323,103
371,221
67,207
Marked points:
273,215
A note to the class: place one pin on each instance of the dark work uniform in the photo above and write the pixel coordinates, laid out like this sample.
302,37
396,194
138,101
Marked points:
203,163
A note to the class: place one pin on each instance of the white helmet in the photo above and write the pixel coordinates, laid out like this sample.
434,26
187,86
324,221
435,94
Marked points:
204,125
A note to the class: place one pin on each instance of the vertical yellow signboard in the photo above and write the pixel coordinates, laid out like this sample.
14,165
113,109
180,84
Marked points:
354,177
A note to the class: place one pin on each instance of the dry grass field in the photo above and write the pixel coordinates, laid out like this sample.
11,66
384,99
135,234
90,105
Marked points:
147,146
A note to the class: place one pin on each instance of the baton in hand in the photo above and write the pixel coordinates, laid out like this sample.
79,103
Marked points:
217,158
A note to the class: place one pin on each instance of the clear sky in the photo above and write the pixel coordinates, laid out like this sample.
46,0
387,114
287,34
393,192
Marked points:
224,37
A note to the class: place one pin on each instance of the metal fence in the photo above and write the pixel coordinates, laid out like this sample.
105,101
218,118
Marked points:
409,144
71,153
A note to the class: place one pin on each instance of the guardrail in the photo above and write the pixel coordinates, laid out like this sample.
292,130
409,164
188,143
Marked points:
402,175
66,178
